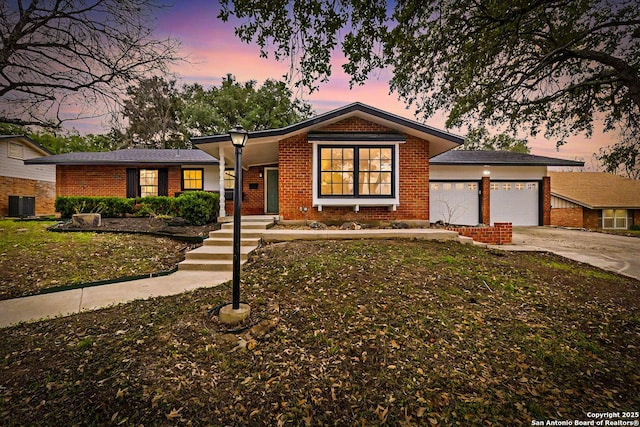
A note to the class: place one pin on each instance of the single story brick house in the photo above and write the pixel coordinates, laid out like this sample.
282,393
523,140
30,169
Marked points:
594,200
24,190
132,172
361,163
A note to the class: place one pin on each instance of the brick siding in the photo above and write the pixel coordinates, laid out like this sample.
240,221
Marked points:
486,200
296,180
103,180
253,202
567,217
546,200
501,233
43,191
590,218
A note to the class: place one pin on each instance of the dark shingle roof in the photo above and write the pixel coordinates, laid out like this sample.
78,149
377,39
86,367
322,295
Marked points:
504,158
129,156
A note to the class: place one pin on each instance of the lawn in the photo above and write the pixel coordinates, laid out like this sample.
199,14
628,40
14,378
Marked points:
33,259
344,333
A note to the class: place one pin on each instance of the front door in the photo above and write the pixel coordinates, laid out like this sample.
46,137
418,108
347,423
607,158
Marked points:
271,185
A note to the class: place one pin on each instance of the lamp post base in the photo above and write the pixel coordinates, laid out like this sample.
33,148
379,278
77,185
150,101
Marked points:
229,316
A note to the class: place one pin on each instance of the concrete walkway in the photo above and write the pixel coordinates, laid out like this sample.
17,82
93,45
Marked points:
64,303
37,307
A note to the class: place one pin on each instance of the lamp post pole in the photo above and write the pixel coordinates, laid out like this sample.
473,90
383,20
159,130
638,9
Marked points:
237,207
239,138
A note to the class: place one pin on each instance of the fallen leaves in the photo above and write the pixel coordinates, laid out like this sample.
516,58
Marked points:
356,333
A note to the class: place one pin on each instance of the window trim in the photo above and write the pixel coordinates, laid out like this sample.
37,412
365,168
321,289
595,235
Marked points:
356,200
182,179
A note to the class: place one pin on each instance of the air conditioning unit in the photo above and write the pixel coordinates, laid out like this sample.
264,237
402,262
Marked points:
22,206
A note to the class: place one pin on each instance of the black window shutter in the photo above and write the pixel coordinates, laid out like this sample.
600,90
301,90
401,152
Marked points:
163,182
132,182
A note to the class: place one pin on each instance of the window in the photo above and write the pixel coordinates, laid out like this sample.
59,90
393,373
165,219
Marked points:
519,186
435,186
532,186
192,179
356,171
459,186
148,182
506,186
614,218
15,150
229,179
495,187
472,186
446,186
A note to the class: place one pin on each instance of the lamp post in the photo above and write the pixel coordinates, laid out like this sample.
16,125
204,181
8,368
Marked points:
239,138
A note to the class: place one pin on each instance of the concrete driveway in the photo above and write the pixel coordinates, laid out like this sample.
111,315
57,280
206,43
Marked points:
609,252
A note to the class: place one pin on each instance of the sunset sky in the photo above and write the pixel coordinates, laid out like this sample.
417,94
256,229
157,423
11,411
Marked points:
212,50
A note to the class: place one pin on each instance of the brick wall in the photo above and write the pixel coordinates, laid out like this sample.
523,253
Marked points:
567,217
501,233
546,200
296,181
590,218
486,200
103,180
253,202
43,191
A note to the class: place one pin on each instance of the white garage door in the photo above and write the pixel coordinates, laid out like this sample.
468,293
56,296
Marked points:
454,202
515,202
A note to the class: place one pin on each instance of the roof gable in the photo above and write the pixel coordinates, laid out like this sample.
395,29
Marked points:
596,190
379,121
26,140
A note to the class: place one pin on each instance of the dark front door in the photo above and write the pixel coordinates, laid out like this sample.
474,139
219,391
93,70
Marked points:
272,190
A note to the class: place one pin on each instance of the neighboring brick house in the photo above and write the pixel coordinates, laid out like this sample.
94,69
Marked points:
594,200
25,190
133,172
361,163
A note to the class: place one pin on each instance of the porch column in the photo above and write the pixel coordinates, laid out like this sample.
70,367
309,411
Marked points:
222,213
546,201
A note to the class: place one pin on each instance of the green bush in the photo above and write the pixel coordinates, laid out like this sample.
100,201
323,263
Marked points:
198,207
108,207
156,205
635,227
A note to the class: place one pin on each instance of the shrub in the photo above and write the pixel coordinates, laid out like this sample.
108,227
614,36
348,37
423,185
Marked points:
635,227
108,207
156,205
198,207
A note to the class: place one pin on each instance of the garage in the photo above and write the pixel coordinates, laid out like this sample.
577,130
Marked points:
455,202
516,202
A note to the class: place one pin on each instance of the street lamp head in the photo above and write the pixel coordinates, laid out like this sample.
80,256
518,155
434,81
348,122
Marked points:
238,136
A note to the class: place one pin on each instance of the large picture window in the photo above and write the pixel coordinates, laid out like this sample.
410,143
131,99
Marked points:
356,171
192,179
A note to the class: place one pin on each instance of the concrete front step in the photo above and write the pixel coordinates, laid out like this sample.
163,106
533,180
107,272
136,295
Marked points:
228,234
228,241
262,225
207,265
209,252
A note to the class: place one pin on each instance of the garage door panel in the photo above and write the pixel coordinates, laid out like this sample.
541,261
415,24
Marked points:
515,202
454,202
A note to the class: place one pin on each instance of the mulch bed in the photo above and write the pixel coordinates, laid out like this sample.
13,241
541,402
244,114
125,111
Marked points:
146,225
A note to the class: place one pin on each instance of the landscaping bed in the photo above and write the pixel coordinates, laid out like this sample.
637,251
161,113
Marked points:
349,333
33,259
147,225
